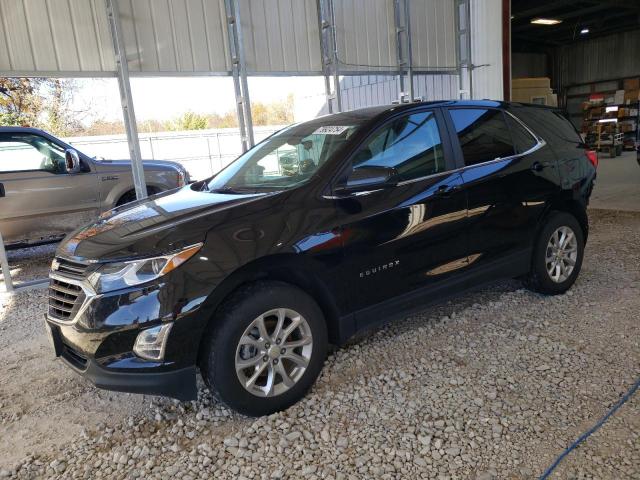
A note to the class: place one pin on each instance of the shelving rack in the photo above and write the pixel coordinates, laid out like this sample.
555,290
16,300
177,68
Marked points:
608,136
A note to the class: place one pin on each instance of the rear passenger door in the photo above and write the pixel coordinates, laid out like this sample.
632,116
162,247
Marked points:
508,175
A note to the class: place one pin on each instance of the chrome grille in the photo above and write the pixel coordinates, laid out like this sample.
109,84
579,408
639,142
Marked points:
72,269
64,299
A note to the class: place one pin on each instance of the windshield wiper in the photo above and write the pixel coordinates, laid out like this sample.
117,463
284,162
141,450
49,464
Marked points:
227,189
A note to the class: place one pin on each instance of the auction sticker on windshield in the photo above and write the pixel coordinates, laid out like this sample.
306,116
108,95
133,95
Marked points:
331,130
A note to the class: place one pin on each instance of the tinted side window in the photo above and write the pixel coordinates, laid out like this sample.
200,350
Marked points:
410,144
522,140
483,134
26,152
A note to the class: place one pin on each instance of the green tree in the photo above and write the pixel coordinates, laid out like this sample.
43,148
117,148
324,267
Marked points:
39,102
20,103
189,121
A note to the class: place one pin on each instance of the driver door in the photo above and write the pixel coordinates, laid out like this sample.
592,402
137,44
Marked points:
39,200
403,239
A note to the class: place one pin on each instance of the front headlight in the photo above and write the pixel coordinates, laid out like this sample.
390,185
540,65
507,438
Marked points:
117,275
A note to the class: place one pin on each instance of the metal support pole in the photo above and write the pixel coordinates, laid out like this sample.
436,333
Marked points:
126,99
407,20
336,66
463,47
400,30
4,264
323,30
239,73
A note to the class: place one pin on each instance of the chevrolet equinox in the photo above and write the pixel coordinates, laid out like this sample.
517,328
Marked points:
324,229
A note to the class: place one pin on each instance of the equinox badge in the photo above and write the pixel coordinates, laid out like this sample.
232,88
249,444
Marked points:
379,268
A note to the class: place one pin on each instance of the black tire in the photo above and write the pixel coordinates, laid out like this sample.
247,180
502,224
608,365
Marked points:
130,196
539,278
222,338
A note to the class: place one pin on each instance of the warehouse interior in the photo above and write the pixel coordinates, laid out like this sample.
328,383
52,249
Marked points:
583,57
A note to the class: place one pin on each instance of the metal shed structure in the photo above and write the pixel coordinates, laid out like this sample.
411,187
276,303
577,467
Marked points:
410,45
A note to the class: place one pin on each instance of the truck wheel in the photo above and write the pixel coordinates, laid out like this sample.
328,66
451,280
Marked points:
265,348
557,255
130,196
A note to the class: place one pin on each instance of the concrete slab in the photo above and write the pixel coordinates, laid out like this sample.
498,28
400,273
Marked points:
618,183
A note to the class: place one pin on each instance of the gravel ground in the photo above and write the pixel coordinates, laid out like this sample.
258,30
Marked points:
491,385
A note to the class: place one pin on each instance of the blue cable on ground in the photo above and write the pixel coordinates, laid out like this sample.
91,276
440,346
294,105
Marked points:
586,434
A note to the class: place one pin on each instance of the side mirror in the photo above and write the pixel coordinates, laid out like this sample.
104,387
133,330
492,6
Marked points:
369,177
71,161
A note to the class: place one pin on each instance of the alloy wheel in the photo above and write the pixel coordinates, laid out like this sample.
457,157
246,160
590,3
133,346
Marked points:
561,254
273,352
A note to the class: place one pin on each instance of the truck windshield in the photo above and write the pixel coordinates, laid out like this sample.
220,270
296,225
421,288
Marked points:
285,160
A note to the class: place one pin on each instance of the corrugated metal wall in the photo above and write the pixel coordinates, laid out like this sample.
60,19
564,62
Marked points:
433,34
55,36
604,58
486,48
175,36
368,90
190,36
524,65
281,36
365,34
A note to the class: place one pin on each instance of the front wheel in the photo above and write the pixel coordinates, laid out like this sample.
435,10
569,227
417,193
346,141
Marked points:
265,349
557,255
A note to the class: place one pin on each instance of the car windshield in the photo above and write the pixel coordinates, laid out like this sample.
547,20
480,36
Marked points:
285,160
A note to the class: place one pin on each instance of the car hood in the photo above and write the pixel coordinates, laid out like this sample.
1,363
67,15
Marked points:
157,225
148,164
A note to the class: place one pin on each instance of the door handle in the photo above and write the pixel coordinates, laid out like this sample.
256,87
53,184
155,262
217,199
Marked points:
446,190
538,167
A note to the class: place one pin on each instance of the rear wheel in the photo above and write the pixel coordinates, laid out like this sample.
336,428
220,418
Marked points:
266,349
557,255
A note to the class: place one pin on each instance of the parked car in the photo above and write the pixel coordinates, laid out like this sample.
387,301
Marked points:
48,188
247,276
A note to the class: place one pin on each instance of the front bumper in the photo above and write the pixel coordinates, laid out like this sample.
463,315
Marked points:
97,337
126,373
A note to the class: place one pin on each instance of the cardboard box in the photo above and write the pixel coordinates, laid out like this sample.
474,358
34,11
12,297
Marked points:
534,82
531,95
631,96
631,84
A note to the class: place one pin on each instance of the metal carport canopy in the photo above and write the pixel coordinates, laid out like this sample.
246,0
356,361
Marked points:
87,38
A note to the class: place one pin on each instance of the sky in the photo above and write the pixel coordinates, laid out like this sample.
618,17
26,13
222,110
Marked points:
167,97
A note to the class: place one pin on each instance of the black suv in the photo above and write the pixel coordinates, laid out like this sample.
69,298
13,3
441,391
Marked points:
325,228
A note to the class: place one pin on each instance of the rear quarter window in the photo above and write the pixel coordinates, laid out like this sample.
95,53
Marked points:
522,139
563,140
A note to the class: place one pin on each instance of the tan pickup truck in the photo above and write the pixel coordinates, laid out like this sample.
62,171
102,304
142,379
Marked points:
48,189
